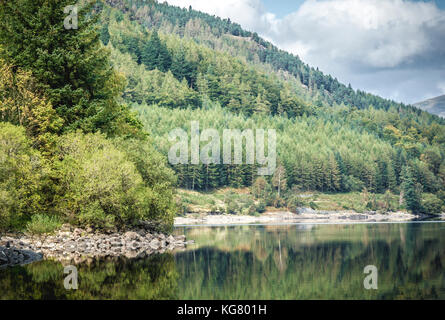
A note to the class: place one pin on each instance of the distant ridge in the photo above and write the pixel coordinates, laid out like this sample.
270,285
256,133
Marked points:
435,106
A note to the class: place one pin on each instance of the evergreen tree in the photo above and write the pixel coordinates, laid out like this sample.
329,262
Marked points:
155,54
411,193
182,68
71,66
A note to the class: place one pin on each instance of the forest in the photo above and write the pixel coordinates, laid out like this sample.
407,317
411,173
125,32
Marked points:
70,150
85,116
184,65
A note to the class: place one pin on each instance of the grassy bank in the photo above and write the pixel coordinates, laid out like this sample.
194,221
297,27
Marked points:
242,202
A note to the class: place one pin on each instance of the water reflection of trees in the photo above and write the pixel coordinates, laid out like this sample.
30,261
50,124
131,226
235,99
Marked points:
324,262
152,278
320,262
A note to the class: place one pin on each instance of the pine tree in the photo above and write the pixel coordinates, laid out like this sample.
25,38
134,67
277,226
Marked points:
155,54
72,67
334,172
411,192
182,68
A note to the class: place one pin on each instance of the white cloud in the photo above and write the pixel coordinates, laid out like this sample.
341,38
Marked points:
368,33
349,38
249,13
441,87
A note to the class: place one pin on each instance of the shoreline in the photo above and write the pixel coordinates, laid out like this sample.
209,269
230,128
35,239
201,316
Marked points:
306,217
70,244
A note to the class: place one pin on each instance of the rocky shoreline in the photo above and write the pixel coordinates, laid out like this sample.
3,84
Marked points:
305,215
10,256
75,244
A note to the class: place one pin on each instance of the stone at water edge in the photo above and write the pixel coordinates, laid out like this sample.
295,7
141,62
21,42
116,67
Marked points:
171,239
154,244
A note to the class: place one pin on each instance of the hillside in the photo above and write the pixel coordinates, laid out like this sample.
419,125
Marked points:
434,106
183,65
226,36
89,114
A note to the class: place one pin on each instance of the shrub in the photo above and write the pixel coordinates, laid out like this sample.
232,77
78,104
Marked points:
40,224
351,183
313,205
232,207
22,175
216,210
261,207
431,204
294,202
104,186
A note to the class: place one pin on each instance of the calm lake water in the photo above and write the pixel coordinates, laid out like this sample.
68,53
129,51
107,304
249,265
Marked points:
259,262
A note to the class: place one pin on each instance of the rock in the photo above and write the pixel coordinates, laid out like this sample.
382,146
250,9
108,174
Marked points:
130,254
65,228
154,244
305,210
65,234
71,244
358,217
141,232
180,238
131,235
135,245
116,243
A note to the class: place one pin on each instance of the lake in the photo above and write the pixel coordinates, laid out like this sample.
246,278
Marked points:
259,262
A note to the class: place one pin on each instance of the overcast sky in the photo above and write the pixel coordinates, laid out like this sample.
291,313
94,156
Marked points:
393,48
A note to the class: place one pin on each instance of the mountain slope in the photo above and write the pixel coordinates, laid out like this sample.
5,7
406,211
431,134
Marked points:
434,105
225,36
182,65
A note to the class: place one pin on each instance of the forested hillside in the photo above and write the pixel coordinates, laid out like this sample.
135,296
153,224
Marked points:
331,138
69,100
226,36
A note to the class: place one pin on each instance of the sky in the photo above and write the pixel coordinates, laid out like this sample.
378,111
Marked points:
393,48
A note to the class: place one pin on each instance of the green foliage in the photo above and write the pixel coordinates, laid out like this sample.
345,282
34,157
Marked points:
55,81
21,103
154,54
215,62
41,224
313,205
431,204
23,173
101,186
260,207
232,206
411,192
152,278
294,202
330,155
71,67
228,37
